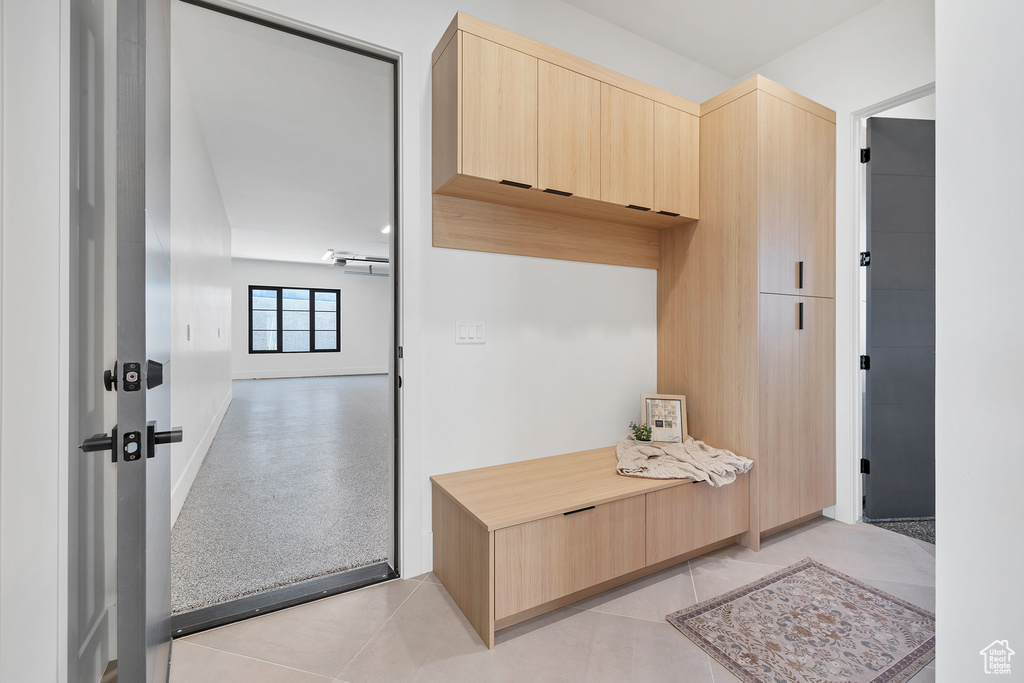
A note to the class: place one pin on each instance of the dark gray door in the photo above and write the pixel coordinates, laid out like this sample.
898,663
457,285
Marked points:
141,340
899,417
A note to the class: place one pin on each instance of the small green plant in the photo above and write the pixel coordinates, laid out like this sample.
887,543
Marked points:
640,432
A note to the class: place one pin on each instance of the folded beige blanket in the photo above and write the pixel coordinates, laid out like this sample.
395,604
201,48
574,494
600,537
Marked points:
688,460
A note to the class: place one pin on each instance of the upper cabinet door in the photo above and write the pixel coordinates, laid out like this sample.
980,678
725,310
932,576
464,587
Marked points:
782,136
499,112
676,161
627,148
569,134
818,222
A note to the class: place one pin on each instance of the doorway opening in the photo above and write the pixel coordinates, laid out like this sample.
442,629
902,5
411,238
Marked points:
896,313
284,269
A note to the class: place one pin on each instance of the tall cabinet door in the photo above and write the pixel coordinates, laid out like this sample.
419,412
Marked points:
627,148
499,112
569,135
781,397
818,209
782,136
818,404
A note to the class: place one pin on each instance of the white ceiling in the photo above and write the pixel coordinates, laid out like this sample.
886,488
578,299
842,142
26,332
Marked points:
733,37
298,133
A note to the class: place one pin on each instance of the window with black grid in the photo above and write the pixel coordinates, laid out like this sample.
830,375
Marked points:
294,320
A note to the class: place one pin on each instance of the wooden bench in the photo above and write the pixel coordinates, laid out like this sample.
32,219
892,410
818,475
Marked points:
514,541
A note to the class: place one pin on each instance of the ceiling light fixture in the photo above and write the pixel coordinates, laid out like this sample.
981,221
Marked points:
328,255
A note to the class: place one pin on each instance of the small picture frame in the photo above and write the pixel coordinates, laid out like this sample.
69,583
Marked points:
666,415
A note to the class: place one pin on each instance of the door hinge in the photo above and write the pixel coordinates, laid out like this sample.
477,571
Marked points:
865,155
865,258
865,362
865,466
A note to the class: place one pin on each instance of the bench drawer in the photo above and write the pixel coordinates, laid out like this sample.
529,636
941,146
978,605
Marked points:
549,558
687,517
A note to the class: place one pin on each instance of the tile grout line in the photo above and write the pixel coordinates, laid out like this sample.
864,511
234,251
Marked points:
377,632
689,570
255,659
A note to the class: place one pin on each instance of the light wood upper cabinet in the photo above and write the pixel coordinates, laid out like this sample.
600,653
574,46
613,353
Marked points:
499,112
676,161
569,131
797,172
627,148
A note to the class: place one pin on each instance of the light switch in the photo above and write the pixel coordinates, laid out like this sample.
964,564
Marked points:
469,331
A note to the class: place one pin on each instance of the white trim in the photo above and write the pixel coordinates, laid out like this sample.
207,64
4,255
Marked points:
852,510
180,488
308,372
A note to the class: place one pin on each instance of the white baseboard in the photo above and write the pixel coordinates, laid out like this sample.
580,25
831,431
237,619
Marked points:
307,372
180,489
426,553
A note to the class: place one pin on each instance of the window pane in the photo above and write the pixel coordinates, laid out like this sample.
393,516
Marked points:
326,321
326,341
264,341
295,299
296,341
296,320
264,299
326,301
264,320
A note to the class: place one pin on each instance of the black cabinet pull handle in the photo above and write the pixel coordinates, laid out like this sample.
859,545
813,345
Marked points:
668,213
638,208
800,283
560,193
800,307
515,184
573,512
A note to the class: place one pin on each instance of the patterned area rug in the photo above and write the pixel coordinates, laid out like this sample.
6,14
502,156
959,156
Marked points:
809,622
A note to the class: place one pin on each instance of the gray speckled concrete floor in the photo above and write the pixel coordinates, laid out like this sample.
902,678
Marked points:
295,486
921,529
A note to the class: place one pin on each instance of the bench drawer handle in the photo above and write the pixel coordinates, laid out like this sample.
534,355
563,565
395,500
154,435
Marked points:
573,512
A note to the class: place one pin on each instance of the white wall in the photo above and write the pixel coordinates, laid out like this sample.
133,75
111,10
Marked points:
581,366
365,321
200,368
34,268
979,370
884,52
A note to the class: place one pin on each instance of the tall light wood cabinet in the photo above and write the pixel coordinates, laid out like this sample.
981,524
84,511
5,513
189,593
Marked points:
752,350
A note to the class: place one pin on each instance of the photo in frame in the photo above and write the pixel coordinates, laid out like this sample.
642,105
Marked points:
666,415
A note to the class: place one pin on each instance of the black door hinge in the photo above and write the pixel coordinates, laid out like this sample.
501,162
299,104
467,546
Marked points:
865,362
865,466
865,258
865,155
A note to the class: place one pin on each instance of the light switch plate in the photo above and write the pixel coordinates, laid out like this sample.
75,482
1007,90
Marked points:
469,331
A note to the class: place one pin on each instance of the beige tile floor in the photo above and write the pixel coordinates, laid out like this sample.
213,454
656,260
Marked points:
410,630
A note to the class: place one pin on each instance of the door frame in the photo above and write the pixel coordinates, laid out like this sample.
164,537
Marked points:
851,470
306,591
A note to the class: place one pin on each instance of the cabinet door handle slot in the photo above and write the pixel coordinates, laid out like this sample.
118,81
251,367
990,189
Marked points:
800,277
560,193
638,208
668,213
513,183
800,315
573,512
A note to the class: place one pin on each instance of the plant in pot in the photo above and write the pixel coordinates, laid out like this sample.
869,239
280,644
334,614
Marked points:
641,432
